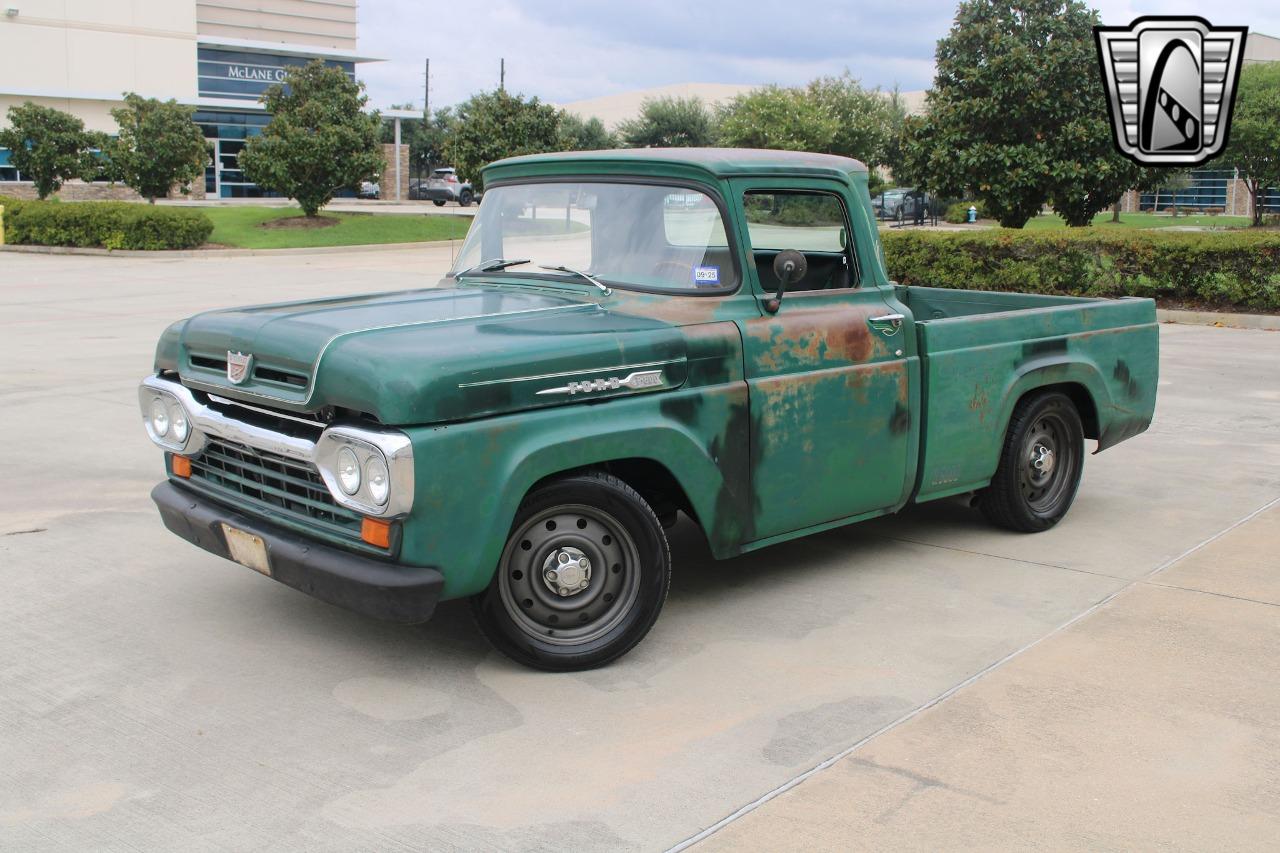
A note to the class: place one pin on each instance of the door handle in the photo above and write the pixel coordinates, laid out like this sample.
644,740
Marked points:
887,318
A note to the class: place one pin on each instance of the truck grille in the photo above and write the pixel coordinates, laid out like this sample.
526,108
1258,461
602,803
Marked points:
274,483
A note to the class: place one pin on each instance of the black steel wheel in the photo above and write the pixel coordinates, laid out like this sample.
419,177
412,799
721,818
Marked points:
1040,465
582,577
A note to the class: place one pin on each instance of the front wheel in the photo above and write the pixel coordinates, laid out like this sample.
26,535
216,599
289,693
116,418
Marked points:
1040,465
582,578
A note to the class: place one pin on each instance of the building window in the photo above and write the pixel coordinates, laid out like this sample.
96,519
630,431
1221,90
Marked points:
1209,188
244,76
7,171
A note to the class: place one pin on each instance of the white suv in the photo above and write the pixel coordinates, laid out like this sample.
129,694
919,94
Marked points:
444,185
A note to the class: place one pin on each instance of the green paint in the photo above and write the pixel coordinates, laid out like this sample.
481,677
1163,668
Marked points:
773,425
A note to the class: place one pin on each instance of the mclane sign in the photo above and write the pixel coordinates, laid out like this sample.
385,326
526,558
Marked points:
244,76
250,72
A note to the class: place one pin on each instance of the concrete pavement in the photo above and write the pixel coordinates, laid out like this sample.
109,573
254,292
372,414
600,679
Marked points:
154,697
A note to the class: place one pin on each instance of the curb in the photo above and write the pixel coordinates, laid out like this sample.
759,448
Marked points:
223,253
1266,322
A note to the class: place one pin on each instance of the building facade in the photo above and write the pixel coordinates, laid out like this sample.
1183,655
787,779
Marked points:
216,55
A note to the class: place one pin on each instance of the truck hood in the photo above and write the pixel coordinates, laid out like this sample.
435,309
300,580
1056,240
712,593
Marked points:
425,356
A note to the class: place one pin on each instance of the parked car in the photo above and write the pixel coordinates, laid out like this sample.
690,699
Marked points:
444,185
525,434
368,189
901,204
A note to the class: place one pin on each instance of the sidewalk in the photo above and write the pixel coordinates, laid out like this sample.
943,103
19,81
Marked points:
1152,723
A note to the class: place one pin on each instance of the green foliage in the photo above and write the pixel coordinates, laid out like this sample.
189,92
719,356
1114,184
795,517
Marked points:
669,123
958,212
1254,146
832,115
589,135
1016,115
1214,270
103,224
426,143
48,146
497,124
159,145
320,139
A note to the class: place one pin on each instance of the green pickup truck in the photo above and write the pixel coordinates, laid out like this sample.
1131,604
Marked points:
626,336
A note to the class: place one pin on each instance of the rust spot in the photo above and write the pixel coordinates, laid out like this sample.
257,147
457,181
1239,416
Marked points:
980,402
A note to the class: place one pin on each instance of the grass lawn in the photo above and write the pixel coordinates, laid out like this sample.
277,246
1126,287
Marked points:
1145,220
241,228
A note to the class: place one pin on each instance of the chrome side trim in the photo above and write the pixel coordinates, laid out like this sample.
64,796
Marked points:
315,365
642,380
205,421
615,369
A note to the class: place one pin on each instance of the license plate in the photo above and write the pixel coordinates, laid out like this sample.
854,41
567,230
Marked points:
247,549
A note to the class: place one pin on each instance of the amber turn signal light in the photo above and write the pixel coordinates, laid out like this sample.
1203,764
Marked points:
180,465
376,532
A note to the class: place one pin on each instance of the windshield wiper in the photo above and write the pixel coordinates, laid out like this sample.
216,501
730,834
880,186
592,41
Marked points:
603,287
492,265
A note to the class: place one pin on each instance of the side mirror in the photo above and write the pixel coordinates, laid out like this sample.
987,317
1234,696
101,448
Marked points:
789,266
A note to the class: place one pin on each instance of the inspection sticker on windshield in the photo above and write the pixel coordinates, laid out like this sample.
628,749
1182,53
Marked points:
706,276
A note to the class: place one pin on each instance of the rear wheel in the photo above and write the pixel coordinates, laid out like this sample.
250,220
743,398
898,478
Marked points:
1040,465
582,578
465,198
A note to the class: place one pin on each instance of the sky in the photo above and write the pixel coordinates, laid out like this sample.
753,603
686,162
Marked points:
569,50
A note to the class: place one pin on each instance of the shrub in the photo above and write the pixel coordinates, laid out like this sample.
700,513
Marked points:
958,213
103,224
1226,270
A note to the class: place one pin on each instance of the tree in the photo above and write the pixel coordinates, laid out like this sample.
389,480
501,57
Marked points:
49,146
831,115
1170,181
896,113
669,123
497,124
577,134
1016,115
159,145
426,145
319,140
1254,146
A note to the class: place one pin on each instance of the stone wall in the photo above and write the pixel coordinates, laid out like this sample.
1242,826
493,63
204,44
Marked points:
80,191
388,184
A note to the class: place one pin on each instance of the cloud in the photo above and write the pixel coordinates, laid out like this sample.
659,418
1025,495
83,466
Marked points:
567,50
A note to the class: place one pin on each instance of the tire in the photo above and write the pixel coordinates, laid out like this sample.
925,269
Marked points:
465,198
617,568
1040,465
438,202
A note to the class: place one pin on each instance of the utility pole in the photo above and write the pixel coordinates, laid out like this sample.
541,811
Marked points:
426,91
502,75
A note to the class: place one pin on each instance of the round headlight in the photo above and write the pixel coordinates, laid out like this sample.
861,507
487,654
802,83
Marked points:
379,480
180,425
159,417
348,471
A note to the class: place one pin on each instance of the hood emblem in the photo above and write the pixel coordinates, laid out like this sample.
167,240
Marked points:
636,381
238,367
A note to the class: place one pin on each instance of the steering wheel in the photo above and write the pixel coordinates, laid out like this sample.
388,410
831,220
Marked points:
678,267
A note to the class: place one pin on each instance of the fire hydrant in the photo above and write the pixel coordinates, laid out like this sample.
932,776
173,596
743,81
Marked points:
973,213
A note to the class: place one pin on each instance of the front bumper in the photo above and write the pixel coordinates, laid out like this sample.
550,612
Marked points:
397,593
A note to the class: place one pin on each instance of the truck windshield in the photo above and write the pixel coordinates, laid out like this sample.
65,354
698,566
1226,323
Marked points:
645,236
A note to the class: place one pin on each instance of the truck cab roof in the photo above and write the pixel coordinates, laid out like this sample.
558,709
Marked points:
712,162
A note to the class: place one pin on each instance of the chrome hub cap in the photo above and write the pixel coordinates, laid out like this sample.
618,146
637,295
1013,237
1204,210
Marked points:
566,571
1042,460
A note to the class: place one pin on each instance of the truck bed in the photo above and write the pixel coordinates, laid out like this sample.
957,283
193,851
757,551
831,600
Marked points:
981,351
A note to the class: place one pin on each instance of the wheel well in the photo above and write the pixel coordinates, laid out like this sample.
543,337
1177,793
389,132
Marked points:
1081,398
655,483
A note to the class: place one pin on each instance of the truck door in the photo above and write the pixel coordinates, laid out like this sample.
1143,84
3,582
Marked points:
827,373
